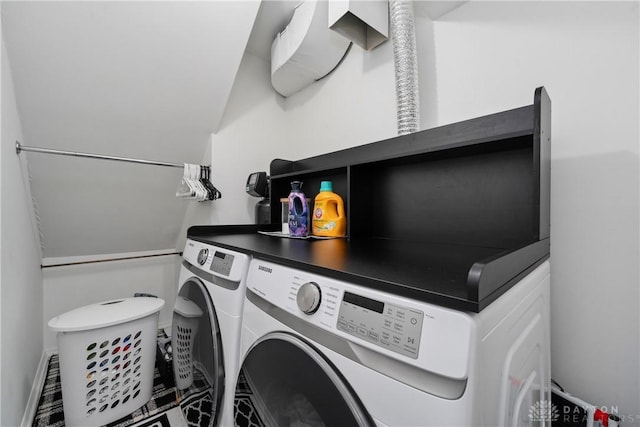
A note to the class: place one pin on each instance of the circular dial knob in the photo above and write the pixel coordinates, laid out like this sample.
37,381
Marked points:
309,297
202,256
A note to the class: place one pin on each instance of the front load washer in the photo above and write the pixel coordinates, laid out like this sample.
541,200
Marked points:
323,352
205,335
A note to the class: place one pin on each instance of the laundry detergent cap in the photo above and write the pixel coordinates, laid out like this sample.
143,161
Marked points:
326,186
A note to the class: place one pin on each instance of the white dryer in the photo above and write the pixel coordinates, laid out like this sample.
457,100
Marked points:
322,352
206,329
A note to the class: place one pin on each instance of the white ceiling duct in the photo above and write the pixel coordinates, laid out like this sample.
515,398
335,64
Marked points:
306,50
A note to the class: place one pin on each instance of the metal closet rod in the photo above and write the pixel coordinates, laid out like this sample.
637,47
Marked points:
20,147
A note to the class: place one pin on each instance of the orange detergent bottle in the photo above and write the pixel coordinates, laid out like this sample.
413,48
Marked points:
328,219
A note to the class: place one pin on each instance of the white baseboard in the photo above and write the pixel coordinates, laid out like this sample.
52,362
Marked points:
38,383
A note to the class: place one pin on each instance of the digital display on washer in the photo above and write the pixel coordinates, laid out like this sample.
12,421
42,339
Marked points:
363,302
222,263
389,326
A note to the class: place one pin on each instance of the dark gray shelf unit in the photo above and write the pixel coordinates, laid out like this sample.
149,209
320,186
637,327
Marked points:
482,182
454,215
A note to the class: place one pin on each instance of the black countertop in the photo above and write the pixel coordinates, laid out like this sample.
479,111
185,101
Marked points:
462,277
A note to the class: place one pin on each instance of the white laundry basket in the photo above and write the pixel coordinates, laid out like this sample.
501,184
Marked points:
186,317
107,358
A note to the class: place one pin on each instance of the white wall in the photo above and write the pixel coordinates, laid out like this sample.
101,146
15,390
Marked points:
482,58
488,56
252,133
353,106
259,125
66,288
21,277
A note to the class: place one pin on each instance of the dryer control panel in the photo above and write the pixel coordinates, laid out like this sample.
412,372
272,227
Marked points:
386,325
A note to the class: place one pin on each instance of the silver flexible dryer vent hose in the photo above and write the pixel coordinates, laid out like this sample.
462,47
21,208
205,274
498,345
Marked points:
405,58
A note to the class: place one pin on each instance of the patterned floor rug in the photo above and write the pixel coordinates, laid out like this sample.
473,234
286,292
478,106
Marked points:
246,414
196,401
171,418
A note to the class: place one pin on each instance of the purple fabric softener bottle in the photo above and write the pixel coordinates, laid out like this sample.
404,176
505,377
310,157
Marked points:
298,211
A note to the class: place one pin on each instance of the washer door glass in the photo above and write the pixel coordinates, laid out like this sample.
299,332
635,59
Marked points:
285,381
198,365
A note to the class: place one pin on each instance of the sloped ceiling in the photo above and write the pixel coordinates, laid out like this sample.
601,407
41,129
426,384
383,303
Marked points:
145,80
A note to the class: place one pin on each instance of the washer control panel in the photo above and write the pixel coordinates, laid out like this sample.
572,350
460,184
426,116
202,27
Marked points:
421,334
222,263
386,325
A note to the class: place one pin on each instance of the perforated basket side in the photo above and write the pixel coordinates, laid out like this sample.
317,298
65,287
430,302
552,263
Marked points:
107,373
183,333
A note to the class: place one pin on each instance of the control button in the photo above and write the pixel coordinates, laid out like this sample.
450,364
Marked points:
362,331
373,335
309,297
351,327
414,320
202,256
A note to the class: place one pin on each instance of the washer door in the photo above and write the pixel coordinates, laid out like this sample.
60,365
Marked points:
198,363
285,381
